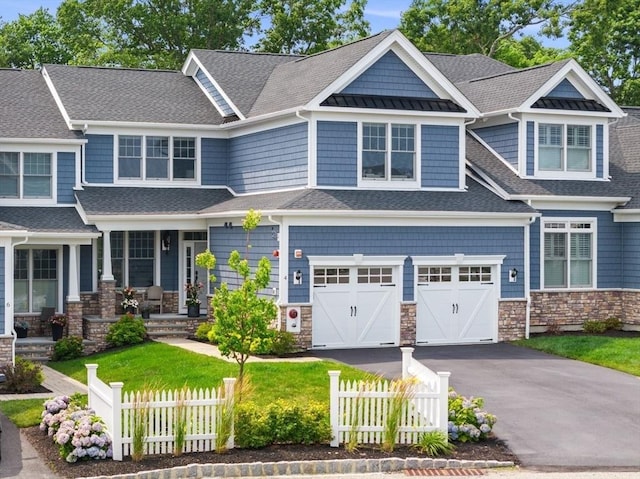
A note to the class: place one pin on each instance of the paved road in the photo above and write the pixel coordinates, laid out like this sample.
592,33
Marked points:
551,411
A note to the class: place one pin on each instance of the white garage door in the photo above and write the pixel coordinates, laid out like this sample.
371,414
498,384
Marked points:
456,304
355,307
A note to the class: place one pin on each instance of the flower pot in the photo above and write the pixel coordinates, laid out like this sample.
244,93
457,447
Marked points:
130,309
146,314
193,310
57,331
21,332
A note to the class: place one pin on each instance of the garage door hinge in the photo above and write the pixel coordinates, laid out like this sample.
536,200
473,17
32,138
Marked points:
319,285
386,285
422,342
386,344
318,345
487,283
486,339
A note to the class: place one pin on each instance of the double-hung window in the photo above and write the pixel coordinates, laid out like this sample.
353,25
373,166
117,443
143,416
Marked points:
568,253
388,152
156,158
25,175
564,147
133,258
35,279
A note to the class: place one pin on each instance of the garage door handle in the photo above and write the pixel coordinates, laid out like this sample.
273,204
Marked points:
355,311
351,311
455,308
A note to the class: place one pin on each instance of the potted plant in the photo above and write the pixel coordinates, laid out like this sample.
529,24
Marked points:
129,301
145,309
22,329
193,302
58,322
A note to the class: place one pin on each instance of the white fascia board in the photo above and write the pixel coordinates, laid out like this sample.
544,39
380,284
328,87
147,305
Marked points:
224,95
146,222
42,141
581,203
492,151
408,53
81,212
460,259
56,97
486,181
14,233
189,66
357,114
68,238
247,128
374,111
586,85
107,127
626,216
356,260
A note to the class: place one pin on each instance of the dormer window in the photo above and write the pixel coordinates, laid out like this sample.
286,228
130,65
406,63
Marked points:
388,152
564,148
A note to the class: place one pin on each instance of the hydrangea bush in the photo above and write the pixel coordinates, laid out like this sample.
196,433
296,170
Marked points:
467,421
77,430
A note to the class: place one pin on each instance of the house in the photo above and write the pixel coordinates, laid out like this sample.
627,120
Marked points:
407,198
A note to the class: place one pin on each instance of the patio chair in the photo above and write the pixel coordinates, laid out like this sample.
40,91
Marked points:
154,296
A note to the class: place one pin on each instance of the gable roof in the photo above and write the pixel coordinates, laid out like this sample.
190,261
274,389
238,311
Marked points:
99,94
27,109
624,143
460,68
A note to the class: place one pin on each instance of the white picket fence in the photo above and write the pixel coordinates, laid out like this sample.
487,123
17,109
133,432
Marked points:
119,412
362,408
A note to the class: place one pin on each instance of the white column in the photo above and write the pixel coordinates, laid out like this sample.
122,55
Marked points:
107,274
74,270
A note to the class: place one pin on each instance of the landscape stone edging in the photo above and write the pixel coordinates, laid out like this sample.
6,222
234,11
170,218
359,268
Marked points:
327,466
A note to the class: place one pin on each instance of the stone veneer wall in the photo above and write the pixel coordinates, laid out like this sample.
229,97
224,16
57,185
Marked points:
511,319
631,310
90,304
96,331
5,350
568,310
303,338
407,324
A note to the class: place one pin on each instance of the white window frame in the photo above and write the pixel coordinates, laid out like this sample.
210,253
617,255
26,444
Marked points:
126,257
565,173
59,277
568,229
388,181
170,179
32,200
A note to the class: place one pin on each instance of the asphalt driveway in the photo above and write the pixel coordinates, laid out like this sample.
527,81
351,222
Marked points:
551,411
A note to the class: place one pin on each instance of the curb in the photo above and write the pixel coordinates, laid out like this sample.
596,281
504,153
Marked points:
343,466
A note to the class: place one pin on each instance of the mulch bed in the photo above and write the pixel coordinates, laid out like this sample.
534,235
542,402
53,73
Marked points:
492,449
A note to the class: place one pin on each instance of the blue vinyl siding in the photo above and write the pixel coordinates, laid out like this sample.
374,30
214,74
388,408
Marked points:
66,177
337,153
440,156
216,96
263,242
407,241
599,151
99,159
631,261
565,90
531,148
3,322
503,139
269,160
389,76
169,273
85,263
609,237
215,161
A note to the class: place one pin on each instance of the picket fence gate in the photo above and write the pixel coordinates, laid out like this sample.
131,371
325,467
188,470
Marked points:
362,407
119,411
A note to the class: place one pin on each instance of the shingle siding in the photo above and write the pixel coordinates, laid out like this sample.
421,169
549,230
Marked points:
440,156
609,236
215,161
99,159
630,273
337,153
531,148
409,241
86,267
269,160
565,90
503,139
215,94
389,76
169,274
599,151
66,177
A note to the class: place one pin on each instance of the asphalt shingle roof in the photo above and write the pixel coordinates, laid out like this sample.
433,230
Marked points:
27,109
100,200
120,94
624,155
43,219
476,199
459,68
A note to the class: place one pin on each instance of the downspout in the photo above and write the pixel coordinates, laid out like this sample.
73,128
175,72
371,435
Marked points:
310,148
13,330
527,277
282,280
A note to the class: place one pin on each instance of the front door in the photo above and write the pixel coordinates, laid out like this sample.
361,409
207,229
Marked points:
192,273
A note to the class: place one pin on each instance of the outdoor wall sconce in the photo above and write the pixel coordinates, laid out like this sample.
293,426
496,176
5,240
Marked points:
166,242
513,275
228,225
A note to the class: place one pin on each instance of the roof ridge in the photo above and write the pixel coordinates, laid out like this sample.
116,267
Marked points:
246,52
114,68
517,70
344,45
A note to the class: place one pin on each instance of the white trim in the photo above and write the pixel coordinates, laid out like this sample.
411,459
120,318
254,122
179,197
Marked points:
193,57
356,260
56,97
492,151
581,203
459,260
54,142
60,273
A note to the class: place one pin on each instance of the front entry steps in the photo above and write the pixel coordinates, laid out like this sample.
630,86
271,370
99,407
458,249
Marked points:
39,349
169,325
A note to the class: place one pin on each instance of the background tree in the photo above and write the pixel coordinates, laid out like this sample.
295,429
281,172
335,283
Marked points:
301,26
604,39
477,26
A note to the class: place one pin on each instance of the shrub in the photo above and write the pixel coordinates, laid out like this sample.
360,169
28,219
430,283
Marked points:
282,343
613,323
68,348
23,377
594,327
281,422
127,330
53,413
202,333
467,421
434,444
82,435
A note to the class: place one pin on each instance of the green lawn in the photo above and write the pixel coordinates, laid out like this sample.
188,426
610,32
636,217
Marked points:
622,354
161,366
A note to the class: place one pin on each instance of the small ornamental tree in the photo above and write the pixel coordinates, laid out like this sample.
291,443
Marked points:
242,317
